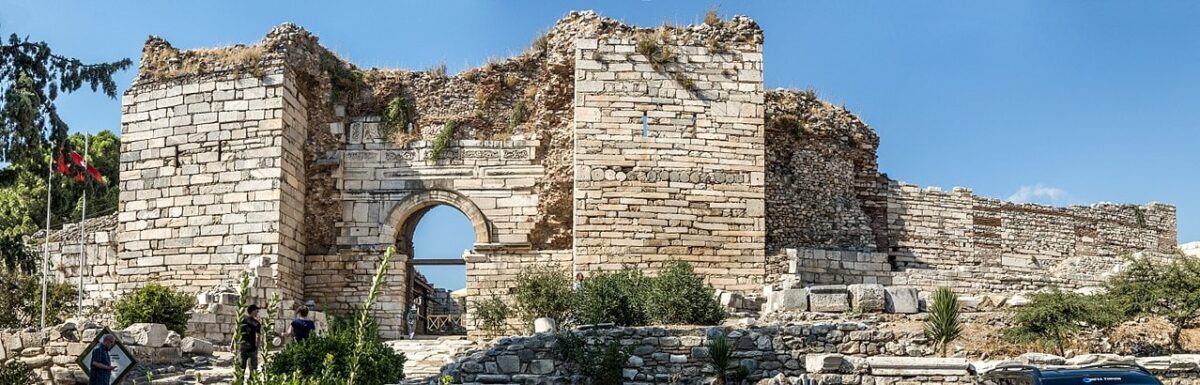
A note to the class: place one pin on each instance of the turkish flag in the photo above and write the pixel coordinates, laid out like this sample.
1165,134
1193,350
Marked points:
75,157
95,173
62,164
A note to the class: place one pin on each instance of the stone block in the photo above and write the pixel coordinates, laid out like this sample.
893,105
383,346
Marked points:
901,300
866,297
824,363
789,300
544,325
509,364
192,345
147,334
918,366
541,366
828,299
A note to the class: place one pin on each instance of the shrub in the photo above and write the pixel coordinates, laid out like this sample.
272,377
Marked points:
1054,318
615,297
943,325
517,116
155,303
720,358
378,363
22,300
711,17
16,372
678,296
493,315
544,291
598,359
1170,290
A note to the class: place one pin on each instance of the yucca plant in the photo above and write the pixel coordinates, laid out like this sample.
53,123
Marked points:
943,325
364,316
720,358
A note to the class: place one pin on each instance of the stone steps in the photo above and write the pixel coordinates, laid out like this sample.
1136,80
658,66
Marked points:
425,357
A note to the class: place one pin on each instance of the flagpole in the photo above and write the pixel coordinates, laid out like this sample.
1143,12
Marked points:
46,243
82,234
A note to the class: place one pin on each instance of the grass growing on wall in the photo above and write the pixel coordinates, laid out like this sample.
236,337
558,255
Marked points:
443,139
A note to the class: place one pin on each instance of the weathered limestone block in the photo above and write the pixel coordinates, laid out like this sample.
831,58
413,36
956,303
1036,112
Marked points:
789,300
828,298
824,363
1041,359
918,366
544,325
867,297
192,345
901,300
148,334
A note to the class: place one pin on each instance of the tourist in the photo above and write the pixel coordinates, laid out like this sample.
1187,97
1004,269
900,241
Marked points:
411,319
251,340
301,326
102,366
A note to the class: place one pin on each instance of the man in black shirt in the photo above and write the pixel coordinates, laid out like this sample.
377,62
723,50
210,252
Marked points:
251,339
102,366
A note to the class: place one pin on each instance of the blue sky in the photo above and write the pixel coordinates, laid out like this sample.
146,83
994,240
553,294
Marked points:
1060,102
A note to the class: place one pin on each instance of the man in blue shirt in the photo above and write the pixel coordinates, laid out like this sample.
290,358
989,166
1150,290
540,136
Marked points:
102,367
301,327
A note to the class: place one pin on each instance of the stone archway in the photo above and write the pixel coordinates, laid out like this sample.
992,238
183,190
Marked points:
400,227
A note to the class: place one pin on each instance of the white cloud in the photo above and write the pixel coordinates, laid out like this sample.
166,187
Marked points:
1040,193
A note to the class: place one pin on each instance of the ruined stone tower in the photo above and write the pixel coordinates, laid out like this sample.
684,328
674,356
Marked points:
603,146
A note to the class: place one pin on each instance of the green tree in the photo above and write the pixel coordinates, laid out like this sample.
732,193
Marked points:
16,220
1054,318
943,325
31,79
1169,289
22,300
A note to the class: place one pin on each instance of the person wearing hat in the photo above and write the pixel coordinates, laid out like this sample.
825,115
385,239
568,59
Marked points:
251,340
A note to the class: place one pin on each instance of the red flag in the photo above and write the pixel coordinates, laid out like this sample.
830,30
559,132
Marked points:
79,178
75,157
95,173
62,164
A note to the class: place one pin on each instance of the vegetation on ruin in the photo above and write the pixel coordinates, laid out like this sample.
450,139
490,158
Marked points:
600,360
351,353
396,117
1054,318
543,291
166,63
627,298
443,139
1169,289
517,116
724,365
659,55
155,303
711,18
17,373
492,315
345,80
32,76
22,300
943,325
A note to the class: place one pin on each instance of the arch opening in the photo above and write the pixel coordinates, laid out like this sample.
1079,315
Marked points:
436,237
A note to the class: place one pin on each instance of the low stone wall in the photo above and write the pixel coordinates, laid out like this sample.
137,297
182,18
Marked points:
52,352
816,353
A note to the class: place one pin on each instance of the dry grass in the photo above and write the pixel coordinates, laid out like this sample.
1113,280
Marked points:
170,63
711,17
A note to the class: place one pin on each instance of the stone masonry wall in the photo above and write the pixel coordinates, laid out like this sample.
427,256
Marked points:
664,171
976,244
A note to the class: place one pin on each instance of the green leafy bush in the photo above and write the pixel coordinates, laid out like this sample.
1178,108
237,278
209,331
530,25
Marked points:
1054,318
396,116
443,139
155,303
22,300
598,359
1166,289
329,356
492,314
544,291
678,296
616,297
943,325
16,372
